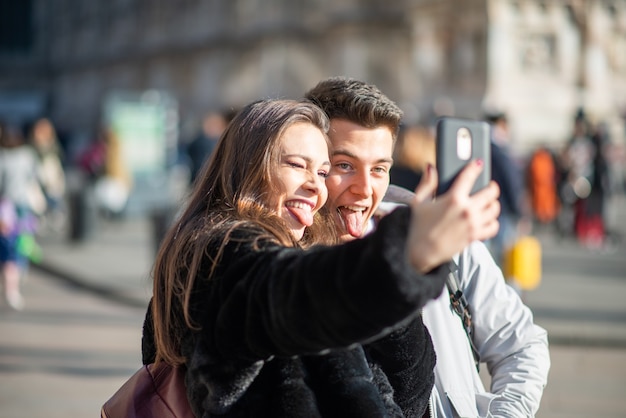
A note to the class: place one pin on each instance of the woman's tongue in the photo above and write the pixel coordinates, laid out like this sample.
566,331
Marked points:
354,221
303,215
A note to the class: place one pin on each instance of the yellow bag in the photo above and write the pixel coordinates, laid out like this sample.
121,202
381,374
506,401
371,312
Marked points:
522,263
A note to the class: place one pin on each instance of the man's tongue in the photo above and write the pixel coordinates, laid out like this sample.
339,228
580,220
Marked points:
354,221
304,216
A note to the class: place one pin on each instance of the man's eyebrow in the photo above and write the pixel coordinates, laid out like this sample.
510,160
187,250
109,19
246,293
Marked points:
348,154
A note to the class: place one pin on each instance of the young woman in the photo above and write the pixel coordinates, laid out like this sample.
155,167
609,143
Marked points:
265,328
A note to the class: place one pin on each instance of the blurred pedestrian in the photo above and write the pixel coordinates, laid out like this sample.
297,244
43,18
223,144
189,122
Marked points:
114,186
590,224
202,146
414,151
42,136
587,180
22,200
542,183
91,159
9,256
506,173
107,172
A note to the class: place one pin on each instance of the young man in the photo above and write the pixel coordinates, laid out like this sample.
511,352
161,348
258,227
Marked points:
364,125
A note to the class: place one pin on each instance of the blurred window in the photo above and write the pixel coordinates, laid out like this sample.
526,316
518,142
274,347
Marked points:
16,26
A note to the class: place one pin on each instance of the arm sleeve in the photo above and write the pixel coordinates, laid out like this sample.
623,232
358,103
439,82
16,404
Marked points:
287,302
407,358
514,348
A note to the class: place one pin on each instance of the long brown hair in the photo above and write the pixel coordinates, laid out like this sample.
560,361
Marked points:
232,190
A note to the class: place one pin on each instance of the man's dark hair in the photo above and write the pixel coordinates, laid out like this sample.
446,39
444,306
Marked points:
356,101
495,117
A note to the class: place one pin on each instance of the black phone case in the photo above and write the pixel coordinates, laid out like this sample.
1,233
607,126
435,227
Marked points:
449,164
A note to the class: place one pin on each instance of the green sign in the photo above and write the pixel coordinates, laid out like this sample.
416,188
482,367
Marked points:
146,127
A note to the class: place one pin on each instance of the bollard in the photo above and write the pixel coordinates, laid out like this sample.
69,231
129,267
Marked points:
82,213
161,219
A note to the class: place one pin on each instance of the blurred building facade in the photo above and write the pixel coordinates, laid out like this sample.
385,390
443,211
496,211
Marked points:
537,60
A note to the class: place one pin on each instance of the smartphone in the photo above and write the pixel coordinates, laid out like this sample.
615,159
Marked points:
459,141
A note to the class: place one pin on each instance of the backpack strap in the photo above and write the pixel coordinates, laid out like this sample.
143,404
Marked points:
461,307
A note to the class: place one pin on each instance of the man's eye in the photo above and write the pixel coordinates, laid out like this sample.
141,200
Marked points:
381,170
343,166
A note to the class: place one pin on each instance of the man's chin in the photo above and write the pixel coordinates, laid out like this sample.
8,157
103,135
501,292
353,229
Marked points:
342,231
345,236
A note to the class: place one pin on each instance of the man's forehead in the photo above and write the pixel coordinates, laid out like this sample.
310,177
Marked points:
347,125
342,130
361,155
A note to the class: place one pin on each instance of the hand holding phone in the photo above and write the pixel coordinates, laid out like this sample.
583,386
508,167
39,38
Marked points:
459,141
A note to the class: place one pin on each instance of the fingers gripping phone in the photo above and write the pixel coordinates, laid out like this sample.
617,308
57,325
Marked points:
459,141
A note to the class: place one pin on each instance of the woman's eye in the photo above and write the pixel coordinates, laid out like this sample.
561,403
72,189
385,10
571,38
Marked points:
296,165
322,174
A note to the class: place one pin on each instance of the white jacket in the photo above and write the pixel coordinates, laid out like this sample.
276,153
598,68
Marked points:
511,346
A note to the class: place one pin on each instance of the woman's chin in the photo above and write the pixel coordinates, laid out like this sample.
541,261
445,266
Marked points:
297,231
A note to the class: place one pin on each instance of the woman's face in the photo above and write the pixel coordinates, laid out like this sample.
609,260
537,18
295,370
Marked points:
304,166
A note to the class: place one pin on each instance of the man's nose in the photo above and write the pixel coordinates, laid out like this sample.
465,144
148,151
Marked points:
361,184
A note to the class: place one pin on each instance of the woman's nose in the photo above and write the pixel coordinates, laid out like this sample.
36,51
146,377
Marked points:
315,182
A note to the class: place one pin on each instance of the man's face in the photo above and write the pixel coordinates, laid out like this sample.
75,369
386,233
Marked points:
359,174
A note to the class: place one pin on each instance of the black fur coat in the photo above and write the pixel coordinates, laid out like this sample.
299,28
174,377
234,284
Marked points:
284,335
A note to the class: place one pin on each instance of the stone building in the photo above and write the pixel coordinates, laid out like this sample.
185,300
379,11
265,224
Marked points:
537,60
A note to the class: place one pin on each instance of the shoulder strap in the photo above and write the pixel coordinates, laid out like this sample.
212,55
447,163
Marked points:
461,307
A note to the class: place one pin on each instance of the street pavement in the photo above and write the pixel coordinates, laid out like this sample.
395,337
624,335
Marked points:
66,352
79,337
